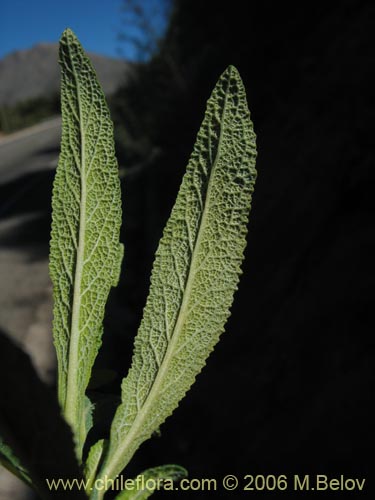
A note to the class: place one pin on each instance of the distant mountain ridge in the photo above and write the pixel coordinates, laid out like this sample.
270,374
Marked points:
35,72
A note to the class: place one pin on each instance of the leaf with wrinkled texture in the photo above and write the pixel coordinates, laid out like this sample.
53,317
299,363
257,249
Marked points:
195,273
156,475
92,462
85,253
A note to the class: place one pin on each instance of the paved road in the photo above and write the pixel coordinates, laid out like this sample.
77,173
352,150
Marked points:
30,150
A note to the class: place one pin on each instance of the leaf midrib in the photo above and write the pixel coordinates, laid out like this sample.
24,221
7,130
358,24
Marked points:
108,470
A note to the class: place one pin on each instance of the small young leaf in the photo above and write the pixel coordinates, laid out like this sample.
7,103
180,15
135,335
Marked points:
92,462
152,479
12,463
195,273
85,255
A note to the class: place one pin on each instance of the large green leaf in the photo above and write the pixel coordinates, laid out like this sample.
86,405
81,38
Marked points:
195,273
85,256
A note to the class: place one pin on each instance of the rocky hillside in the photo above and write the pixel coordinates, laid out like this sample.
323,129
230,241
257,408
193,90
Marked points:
33,73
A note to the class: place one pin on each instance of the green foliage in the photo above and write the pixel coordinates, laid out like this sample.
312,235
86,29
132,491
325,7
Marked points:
12,463
92,462
85,255
151,479
195,273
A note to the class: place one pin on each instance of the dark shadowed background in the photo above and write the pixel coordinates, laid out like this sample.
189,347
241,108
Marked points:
290,387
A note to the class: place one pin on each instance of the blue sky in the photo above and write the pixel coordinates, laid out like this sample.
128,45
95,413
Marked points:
97,23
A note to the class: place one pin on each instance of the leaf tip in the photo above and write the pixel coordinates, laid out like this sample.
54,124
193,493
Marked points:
232,72
68,36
